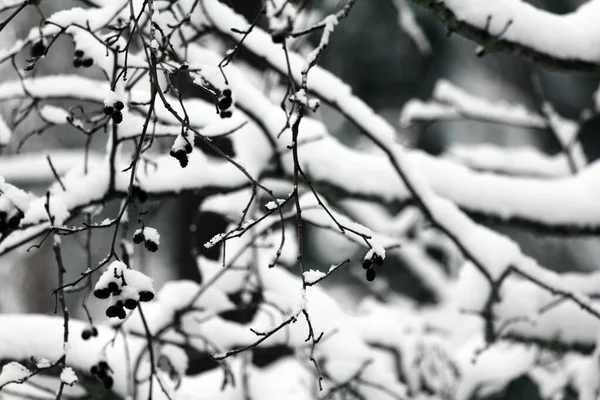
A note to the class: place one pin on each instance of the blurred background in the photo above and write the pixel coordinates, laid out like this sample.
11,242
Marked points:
386,68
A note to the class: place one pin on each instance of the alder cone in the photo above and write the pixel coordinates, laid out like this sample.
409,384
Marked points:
371,274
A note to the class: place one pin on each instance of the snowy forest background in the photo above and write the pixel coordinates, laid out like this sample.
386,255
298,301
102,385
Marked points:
498,151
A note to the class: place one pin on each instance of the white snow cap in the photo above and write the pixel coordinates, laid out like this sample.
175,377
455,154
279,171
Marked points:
13,372
67,376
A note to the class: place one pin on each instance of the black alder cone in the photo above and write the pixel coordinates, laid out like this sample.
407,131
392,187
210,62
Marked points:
371,274
38,49
87,62
117,117
146,296
138,237
151,246
113,287
377,259
102,293
130,304
108,382
112,311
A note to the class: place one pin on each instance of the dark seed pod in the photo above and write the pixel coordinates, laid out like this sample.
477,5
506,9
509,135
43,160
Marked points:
138,237
181,156
13,222
94,370
113,287
146,295
227,92
103,365
94,332
117,117
112,311
188,148
119,105
278,37
85,334
121,313
38,49
226,114
87,62
102,373
30,67
77,62
224,103
108,110
367,263
130,304
377,259
151,246
108,382
78,53
102,293
371,274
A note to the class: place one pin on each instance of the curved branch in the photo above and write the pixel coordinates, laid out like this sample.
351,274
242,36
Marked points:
567,42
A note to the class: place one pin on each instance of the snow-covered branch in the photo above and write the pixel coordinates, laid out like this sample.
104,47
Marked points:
567,42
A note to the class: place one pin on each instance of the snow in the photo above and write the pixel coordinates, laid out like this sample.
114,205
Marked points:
375,251
112,273
67,376
151,234
326,85
54,115
112,97
572,36
330,22
493,369
138,280
5,132
408,23
43,363
10,3
301,97
58,211
525,161
24,340
13,372
92,18
273,205
32,168
451,102
12,196
442,185
312,275
281,16
565,129
177,357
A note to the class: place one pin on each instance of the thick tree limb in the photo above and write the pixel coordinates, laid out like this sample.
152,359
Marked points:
559,41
